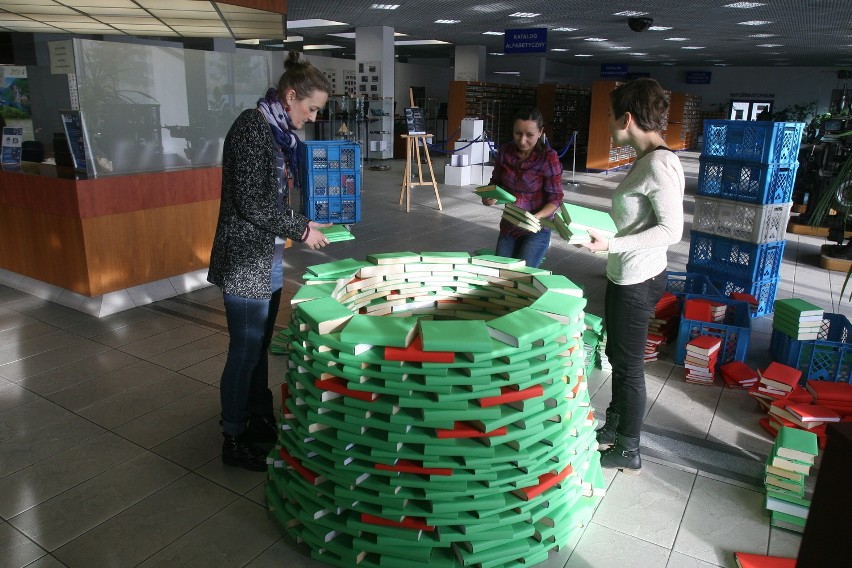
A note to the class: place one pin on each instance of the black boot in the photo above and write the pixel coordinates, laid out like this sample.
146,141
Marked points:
237,451
262,429
606,434
624,455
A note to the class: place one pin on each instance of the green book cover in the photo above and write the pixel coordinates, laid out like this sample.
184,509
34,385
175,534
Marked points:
556,283
337,233
393,257
449,257
379,330
324,315
797,307
494,192
522,327
796,444
494,261
570,307
314,291
346,265
586,218
469,336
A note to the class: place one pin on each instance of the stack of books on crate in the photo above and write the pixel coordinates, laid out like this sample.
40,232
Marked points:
738,375
793,455
521,218
701,356
797,318
776,381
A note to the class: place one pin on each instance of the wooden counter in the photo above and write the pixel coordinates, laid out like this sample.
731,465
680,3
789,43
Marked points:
107,234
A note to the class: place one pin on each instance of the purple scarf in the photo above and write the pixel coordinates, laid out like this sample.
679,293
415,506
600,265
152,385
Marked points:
279,121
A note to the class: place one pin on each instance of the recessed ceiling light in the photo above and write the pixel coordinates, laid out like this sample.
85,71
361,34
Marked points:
770,45
583,55
352,35
447,21
659,28
637,53
761,35
314,23
692,47
667,63
595,39
564,29
495,53
558,49
322,46
507,72
618,46
754,23
677,39
744,5
385,6
492,33
629,13
722,64
523,15
421,42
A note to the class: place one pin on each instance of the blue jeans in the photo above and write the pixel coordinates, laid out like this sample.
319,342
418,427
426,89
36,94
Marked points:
627,310
530,247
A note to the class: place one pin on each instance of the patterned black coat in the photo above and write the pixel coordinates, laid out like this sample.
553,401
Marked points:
249,216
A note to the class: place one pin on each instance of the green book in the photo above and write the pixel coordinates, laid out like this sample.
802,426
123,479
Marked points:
556,283
448,257
586,218
522,327
494,261
559,306
796,444
469,336
379,330
337,233
494,192
313,292
324,315
787,521
797,307
393,257
344,266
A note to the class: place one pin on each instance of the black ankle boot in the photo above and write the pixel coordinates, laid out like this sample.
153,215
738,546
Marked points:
623,455
262,429
237,451
606,435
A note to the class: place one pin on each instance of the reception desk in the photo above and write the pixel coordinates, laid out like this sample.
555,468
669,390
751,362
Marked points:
97,236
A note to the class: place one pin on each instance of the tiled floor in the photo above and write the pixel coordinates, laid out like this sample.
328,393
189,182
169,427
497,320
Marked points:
109,442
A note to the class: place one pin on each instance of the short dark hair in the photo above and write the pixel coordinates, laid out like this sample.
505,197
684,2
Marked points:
533,114
302,77
645,99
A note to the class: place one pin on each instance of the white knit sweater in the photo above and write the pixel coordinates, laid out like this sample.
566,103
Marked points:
647,208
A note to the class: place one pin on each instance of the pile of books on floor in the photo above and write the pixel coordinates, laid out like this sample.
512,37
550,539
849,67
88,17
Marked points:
834,396
422,437
775,382
521,218
702,353
664,320
738,375
797,318
790,462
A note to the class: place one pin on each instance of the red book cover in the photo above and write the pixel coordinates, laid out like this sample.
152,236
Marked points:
309,475
704,344
414,352
746,560
508,394
697,311
781,373
338,385
812,412
738,371
742,296
406,466
545,482
406,522
799,394
827,390
465,430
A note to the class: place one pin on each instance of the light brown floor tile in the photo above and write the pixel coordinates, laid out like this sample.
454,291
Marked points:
12,395
193,353
168,421
50,357
236,479
154,345
16,550
29,416
138,331
76,372
208,371
194,447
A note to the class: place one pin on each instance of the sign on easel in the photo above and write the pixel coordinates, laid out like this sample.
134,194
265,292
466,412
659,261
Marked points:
13,139
415,120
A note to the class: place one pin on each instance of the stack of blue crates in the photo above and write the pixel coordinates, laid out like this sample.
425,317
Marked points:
331,181
745,185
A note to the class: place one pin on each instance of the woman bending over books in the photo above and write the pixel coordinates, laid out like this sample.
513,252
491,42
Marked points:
258,171
647,208
531,172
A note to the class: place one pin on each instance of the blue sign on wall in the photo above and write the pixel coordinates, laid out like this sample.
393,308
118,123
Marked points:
698,77
613,70
532,40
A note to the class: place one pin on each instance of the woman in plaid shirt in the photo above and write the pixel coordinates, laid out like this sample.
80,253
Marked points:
531,172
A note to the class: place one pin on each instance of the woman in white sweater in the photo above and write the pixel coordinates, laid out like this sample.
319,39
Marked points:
647,208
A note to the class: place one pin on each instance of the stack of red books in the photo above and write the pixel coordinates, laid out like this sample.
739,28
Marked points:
776,381
834,396
738,375
701,356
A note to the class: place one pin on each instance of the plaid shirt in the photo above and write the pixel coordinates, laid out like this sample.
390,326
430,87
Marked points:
534,182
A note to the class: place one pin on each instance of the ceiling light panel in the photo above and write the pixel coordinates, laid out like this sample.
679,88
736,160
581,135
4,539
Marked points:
314,23
630,14
524,15
384,6
754,23
564,29
744,5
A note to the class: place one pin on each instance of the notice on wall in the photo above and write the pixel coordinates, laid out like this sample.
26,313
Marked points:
531,40
13,139
74,132
61,57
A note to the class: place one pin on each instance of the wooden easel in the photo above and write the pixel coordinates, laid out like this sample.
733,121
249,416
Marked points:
412,152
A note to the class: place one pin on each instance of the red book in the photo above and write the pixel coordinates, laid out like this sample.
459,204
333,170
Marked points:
414,352
338,385
545,482
739,372
508,394
746,560
406,466
780,376
406,522
827,390
310,476
704,344
812,412
799,394
697,311
743,297
465,430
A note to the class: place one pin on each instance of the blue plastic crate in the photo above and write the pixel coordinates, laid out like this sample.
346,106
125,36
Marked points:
337,209
330,155
764,291
734,331
738,259
335,182
682,283
750,141
828,358
760,184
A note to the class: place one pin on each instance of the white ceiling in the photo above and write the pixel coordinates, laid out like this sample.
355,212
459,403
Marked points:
801,32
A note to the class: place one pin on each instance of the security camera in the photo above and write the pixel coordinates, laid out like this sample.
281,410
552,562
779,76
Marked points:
639,24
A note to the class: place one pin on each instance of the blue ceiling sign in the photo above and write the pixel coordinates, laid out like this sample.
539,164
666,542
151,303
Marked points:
532,40
613,70
698,77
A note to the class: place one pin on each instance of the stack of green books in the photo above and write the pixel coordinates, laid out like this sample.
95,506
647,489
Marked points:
786,472
495,192
426,437
797,318
337,233
521,218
